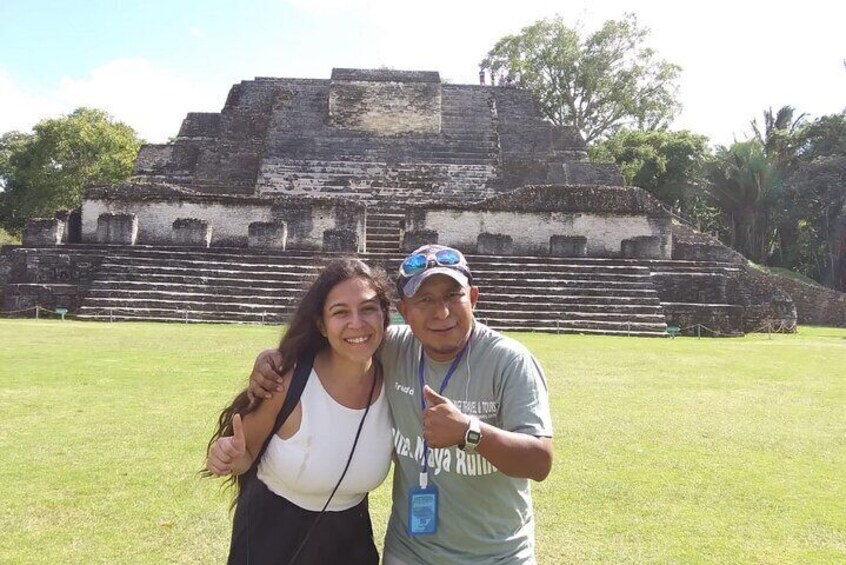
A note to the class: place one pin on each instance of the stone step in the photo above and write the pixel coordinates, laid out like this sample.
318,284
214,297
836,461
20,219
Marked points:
553,290
565,330
381,230
388,237
212,264
195,303
571,304
193,276
569,315
177,315
622,327
234,287
220,284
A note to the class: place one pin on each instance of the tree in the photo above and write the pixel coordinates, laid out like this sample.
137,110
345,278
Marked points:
816,194
668,164
747,187
597,83
50,168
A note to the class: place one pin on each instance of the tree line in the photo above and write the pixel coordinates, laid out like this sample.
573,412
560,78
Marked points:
778,197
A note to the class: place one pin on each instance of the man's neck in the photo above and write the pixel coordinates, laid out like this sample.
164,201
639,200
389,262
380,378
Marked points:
446,357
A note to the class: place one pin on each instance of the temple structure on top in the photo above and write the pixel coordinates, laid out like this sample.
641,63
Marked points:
378,162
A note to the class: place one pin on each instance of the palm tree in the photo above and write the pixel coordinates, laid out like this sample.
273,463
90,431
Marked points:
745,185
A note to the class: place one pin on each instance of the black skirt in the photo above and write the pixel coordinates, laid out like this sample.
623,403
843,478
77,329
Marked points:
268,529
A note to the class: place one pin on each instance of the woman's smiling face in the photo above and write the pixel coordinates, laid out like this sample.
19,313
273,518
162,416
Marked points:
353,320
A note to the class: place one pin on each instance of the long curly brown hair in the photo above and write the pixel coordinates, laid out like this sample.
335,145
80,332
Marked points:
303,338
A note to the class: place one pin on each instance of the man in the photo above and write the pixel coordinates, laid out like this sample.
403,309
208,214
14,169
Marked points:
471,422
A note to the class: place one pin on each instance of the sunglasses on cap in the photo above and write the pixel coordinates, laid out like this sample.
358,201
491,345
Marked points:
419,262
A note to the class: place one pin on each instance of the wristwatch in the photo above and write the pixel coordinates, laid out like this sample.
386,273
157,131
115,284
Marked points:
472,436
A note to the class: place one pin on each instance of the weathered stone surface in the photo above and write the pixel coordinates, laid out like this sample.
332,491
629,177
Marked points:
340,241
192,231
690,245
568,246
714,320
5,270
693,288
117,228
764,303
641,247
815,305
577,198
46,277
494,244
40,232
385,107
411,240
157,206
531,230
427,141
268,234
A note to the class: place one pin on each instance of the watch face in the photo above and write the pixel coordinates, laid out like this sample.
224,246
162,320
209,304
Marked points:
473,437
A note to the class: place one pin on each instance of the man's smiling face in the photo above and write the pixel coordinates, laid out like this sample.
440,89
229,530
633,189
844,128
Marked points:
441,315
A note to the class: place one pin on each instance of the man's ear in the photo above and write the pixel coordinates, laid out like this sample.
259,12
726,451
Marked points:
401,307
474,295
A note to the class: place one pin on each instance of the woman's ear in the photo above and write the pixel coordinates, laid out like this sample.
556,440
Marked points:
321,327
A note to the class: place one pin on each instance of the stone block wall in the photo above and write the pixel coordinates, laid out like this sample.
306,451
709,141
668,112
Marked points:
690,245
604,235
815,305
49,278
5,270
494,244
376,135
191,232
41,232
686,287
385,102
229,218
273,235
641,247
411,240
568,246
155,219
764,303
117,229
718,320
340,241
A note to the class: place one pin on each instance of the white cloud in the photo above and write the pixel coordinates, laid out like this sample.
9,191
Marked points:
196,32
22,108
152,100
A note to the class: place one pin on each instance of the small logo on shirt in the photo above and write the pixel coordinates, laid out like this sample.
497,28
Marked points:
405,389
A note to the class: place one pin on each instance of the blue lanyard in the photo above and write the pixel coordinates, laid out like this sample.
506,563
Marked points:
450,371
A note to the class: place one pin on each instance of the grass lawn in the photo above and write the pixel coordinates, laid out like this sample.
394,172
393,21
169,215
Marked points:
667,451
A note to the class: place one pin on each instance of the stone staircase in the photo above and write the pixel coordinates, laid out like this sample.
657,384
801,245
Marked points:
384,229
595,296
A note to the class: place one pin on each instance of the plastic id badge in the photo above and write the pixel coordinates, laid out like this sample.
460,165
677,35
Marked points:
423,511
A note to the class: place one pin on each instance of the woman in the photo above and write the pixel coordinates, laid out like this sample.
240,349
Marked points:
280,516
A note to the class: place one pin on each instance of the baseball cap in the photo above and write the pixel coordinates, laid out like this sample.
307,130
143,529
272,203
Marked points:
430,260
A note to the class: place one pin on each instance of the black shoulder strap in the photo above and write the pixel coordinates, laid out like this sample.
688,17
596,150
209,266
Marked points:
295,391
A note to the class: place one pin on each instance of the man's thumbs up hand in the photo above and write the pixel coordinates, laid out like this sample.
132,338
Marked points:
228,451
443,424
433,398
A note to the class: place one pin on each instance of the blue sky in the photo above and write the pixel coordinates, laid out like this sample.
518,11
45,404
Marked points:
148,63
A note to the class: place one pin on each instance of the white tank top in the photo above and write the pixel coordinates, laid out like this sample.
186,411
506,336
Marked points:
305,468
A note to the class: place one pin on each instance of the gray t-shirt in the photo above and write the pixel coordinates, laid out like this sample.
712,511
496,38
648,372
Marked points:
484,516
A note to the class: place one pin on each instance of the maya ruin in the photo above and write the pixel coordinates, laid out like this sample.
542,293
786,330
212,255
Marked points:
227,221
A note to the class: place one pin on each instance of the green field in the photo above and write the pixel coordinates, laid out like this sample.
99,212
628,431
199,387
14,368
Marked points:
666,451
